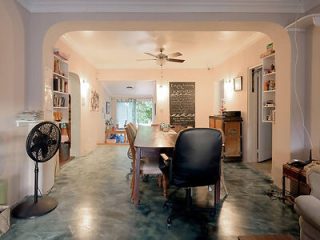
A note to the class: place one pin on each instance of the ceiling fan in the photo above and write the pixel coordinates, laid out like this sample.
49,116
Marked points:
162,58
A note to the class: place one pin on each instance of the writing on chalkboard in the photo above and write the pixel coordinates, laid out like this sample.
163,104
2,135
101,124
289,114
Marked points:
182,103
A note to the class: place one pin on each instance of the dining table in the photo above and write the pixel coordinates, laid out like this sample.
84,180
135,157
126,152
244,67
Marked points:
150,138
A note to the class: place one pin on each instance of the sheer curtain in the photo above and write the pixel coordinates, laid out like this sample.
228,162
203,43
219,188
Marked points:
125,111
135,110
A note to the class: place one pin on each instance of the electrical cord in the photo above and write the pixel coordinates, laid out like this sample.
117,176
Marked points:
295,78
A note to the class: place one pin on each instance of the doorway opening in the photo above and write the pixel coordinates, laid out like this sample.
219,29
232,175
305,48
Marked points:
261,131
75,92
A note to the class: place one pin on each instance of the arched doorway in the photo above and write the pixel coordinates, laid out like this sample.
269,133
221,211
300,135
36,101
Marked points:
281,151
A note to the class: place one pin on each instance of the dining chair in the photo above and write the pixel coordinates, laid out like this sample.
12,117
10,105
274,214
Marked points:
133,130
149,163
196,162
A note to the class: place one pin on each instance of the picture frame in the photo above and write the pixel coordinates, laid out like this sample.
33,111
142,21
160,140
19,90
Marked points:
94,101
108,108
237,84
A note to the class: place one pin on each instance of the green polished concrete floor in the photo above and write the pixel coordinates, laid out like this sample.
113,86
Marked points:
93,196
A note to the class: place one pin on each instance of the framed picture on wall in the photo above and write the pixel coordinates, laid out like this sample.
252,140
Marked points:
108,108
237,83
94,101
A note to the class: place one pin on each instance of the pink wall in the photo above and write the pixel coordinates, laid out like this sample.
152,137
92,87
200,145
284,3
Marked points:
239,65
14,163
203,79
92,122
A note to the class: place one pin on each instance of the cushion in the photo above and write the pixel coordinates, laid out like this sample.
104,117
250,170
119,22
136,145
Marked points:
308,207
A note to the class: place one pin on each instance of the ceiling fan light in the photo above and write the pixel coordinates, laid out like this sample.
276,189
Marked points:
161,61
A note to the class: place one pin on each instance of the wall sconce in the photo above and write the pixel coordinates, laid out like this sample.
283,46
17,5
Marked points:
84,88
162,92
228,89
84,92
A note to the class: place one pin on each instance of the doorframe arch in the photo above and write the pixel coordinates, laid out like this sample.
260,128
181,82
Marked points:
282,140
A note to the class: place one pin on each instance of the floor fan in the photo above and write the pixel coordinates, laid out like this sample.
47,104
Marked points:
42,143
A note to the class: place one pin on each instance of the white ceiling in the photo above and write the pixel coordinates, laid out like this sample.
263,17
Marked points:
266,6
139,88
122,50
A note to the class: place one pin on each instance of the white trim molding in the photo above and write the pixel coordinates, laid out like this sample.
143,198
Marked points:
304,22
243,6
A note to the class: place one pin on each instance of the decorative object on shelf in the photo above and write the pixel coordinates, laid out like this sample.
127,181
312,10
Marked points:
109,123
222,106
269,51
57,116
94,101
64,133
42,143
237,83
60,54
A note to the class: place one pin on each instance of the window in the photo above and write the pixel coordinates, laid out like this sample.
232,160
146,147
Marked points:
138,111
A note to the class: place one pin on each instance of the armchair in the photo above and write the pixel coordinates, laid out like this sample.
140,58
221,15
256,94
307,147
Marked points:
308,207
196,162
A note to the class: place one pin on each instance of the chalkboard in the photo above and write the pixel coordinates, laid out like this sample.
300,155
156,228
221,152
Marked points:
182,103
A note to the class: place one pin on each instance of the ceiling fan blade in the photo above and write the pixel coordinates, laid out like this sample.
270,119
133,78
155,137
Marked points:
145,59
175,60
150,54
176,54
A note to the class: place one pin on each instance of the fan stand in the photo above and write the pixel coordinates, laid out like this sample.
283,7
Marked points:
35,207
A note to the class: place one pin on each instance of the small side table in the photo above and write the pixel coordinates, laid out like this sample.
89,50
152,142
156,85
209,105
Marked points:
294,173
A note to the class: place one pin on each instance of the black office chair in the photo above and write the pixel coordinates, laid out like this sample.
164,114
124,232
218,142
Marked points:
196,162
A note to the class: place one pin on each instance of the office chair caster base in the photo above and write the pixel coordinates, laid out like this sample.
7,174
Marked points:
169,222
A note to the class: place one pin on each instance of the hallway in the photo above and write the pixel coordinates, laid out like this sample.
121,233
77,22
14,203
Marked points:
93,196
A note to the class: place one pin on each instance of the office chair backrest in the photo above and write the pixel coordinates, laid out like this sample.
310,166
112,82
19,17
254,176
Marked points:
197,157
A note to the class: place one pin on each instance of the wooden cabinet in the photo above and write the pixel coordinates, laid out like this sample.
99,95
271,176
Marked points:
232,129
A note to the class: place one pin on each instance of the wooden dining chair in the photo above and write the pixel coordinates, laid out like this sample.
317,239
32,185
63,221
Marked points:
149,163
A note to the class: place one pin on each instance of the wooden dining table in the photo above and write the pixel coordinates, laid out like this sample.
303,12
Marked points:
150,137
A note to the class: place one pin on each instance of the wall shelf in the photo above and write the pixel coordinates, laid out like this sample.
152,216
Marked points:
21,123
268,86
61,104
58,92
268,56
59,75
269,74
